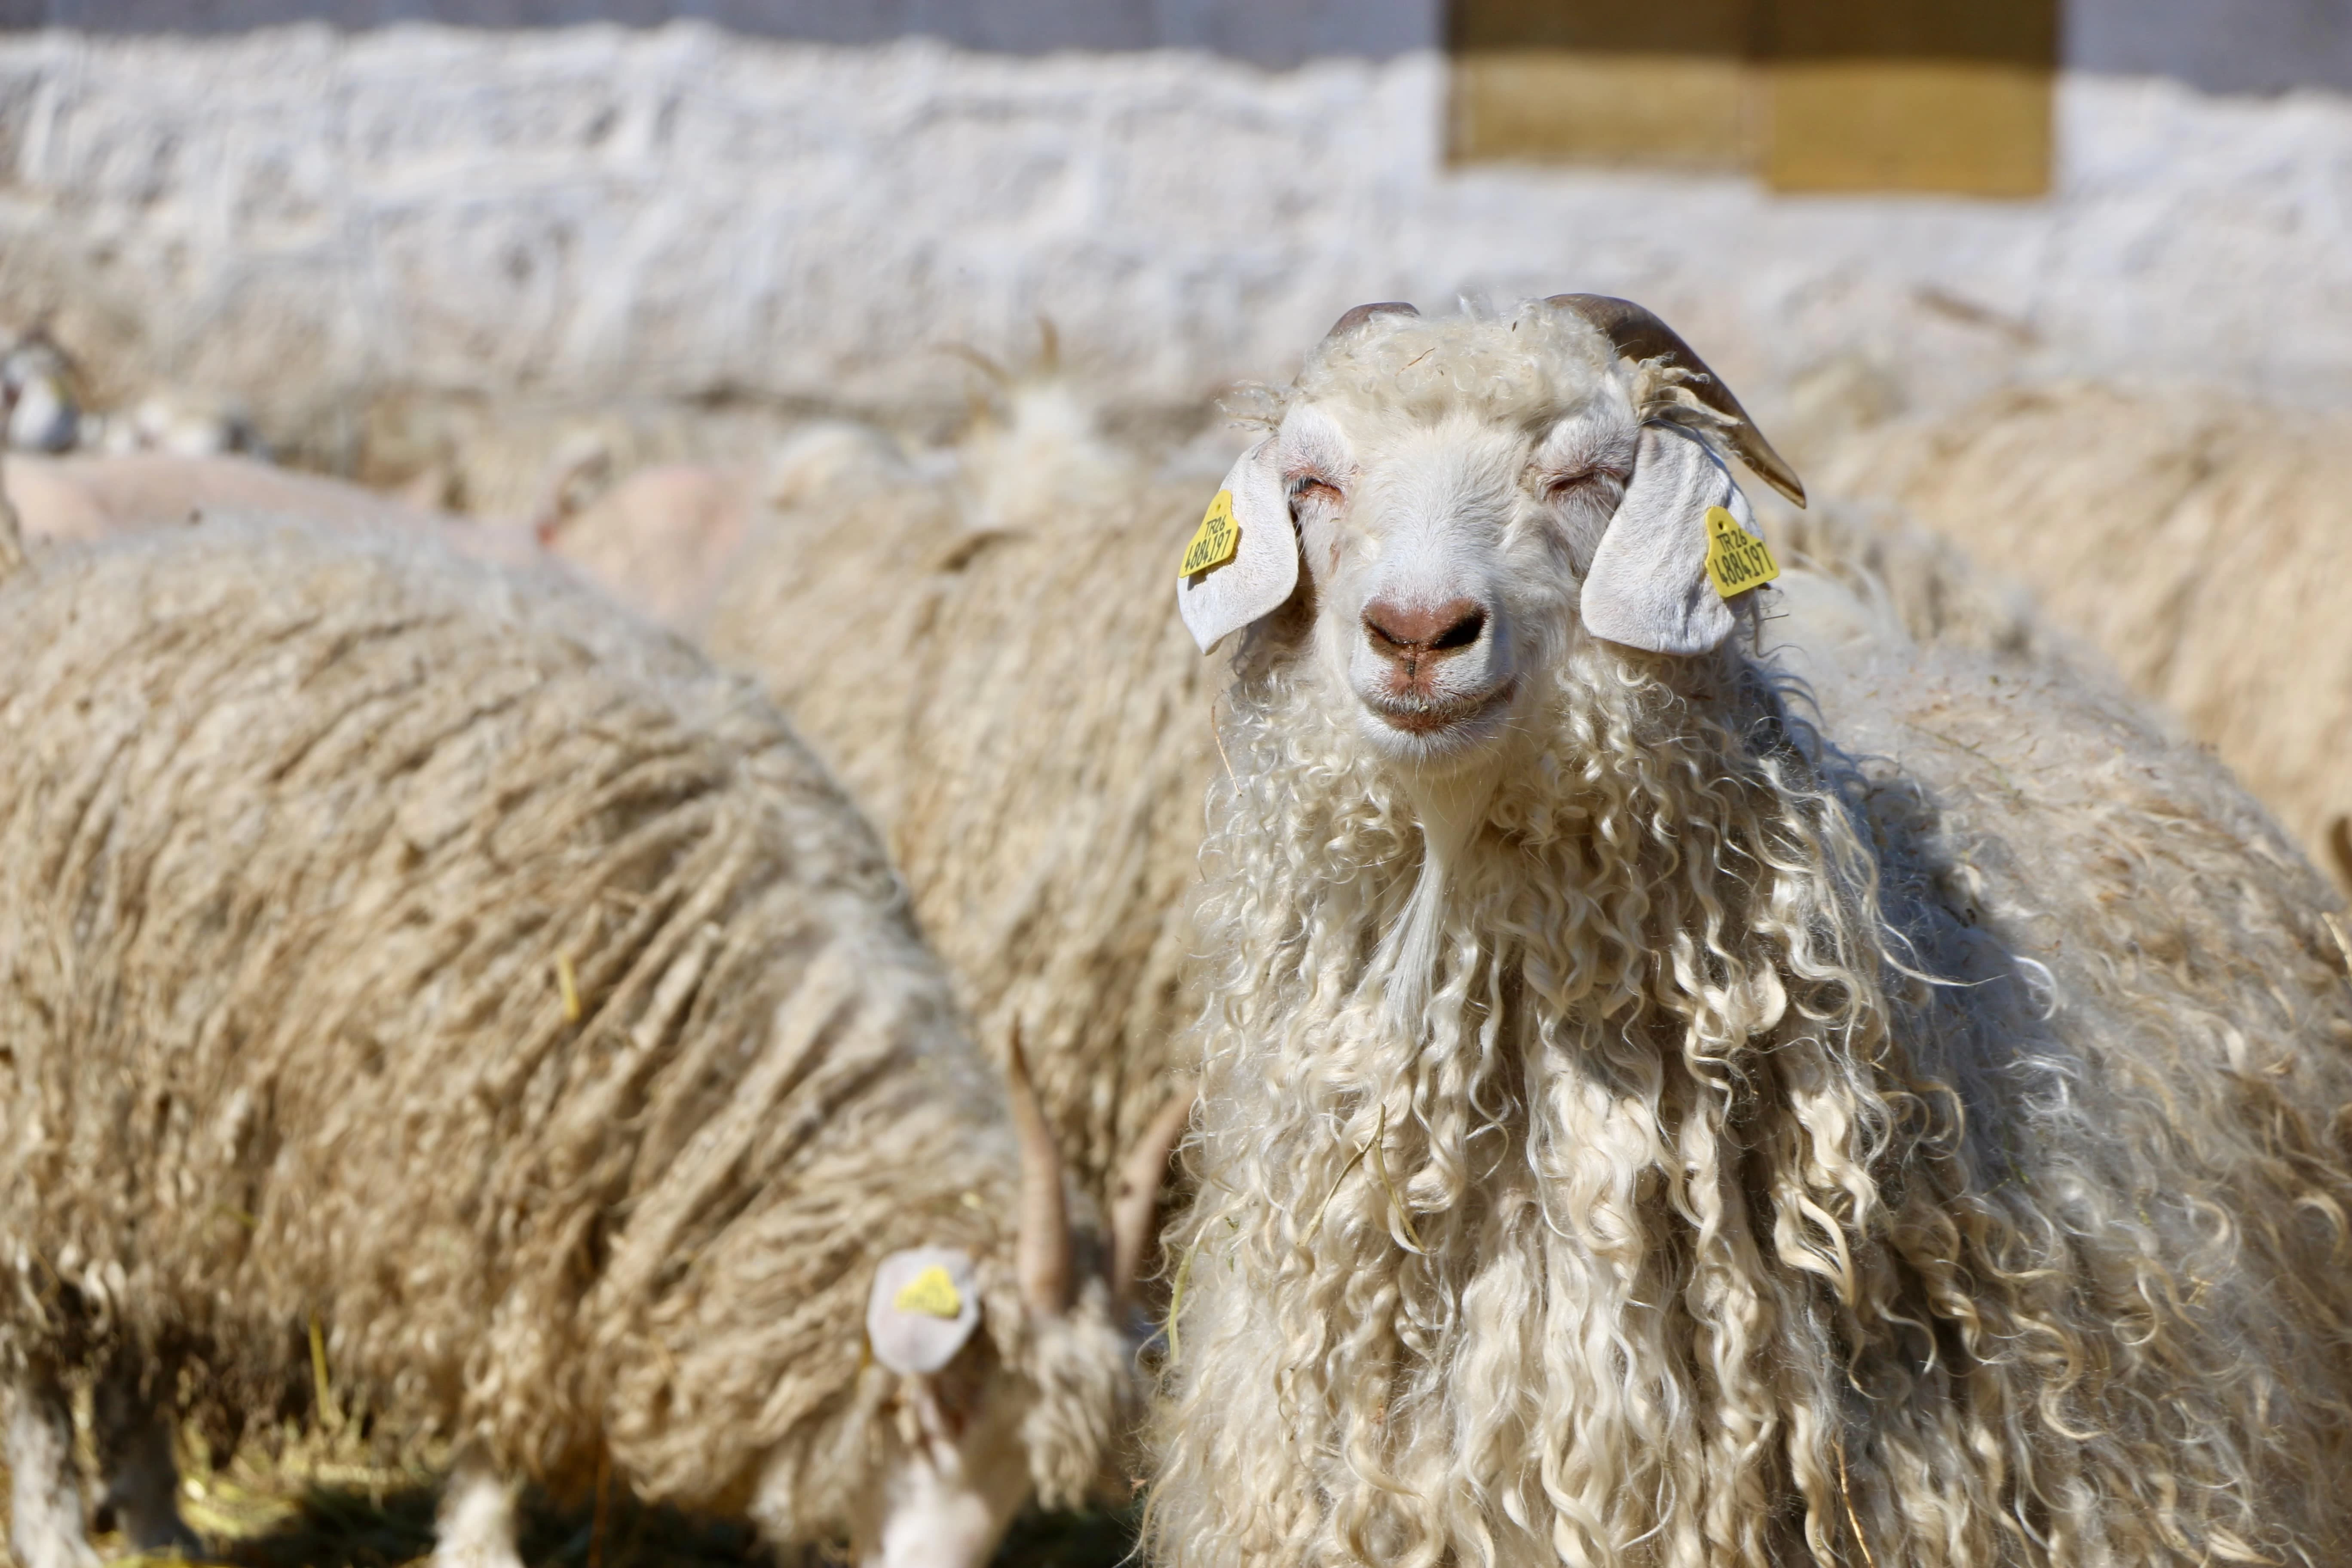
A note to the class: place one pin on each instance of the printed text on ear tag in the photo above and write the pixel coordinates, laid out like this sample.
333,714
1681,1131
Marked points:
1216,540
1736,560
931,1293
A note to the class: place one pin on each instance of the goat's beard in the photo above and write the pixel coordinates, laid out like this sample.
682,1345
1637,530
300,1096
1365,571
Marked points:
1567,1195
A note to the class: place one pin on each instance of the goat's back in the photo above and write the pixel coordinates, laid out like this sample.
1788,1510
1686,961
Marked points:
427,952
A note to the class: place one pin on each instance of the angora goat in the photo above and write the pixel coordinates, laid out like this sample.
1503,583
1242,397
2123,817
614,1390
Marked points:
2201,541
1022,727
1022,593
425,952
1634,1134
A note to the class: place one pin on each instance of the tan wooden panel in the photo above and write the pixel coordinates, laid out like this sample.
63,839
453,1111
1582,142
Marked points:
1720,27
1563,105
1815,95
1989,31
1966,126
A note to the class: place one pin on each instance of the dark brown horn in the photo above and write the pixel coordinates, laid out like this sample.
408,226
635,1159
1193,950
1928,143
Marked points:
1362,313
1135,1198
1042,1249
1639,334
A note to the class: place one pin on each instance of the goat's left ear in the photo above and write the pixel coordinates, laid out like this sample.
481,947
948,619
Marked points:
922,1308
1242,562
1649,587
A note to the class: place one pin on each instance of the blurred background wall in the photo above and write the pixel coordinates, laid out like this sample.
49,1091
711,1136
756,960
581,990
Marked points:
792,205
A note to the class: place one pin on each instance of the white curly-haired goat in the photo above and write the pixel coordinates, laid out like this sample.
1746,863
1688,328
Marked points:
1634,1131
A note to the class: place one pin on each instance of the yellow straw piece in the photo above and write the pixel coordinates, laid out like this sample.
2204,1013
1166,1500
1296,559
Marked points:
1380,1169
569,985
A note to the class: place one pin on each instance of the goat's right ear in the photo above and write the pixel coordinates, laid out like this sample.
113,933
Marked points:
1242,562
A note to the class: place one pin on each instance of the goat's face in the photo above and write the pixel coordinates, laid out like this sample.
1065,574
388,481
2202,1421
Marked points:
942,1462
968,1436
1467,496
1445,550
957,1470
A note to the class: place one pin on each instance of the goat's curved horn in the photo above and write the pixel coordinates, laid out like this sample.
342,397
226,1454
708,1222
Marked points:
1362,313
1135,1199
1042,1255
1639,334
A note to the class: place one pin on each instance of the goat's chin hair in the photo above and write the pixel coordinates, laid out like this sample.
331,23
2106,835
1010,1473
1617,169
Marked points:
1568,1192
1443,760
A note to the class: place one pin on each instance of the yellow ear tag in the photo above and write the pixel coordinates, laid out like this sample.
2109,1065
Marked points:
1217,540
1736,560
931,1293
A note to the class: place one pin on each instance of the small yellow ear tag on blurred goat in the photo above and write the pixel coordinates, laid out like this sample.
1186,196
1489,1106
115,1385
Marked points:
1216,540
1736,560
931,1293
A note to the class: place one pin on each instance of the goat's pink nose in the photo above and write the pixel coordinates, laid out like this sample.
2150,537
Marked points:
1411,631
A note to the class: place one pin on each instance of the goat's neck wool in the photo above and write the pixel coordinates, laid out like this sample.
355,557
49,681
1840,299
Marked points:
1652,1231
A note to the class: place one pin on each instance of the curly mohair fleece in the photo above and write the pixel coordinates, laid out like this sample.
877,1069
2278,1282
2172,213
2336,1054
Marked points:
1031,733
294,831
1027,727
2199,539
1685,1220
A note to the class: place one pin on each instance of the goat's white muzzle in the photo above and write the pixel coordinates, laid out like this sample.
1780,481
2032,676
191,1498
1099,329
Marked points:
1432,673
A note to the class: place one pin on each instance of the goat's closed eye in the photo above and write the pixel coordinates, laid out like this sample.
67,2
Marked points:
1311,490
1559,484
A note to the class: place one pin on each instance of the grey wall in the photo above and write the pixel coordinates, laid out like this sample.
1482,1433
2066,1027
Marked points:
303,216
300,216
1265,32
2219,45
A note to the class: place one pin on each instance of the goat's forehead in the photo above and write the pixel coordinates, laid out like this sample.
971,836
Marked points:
1526,368
1367,433
1458,450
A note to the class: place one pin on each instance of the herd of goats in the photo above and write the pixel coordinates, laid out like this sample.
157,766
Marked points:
1483,1002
